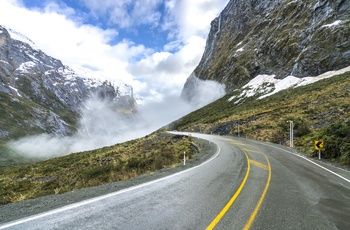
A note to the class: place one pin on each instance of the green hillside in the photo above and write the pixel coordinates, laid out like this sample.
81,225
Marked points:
320,111
85,169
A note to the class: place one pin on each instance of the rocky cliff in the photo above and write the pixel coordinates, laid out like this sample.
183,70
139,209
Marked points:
39,94
280,37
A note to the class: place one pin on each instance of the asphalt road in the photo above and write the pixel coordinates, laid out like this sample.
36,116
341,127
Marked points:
246,184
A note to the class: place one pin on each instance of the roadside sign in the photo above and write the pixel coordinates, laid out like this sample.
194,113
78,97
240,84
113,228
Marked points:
318,145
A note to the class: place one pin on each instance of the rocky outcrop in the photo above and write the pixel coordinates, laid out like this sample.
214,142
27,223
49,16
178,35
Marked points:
40,94
281,37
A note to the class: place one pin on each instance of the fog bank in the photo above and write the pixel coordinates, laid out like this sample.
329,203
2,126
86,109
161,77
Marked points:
102,125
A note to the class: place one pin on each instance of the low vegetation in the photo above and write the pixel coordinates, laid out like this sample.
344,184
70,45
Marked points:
96,167
320,111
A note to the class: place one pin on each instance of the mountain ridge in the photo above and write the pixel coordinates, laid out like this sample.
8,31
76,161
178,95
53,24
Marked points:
49,94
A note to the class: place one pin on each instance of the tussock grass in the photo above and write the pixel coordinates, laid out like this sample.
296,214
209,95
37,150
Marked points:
96,167
320,111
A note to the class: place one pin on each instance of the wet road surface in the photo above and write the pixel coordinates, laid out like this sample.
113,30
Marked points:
245,185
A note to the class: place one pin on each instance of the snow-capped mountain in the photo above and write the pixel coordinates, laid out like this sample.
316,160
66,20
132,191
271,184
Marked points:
38,93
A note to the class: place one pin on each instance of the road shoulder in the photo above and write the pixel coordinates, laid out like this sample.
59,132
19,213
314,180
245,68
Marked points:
14,211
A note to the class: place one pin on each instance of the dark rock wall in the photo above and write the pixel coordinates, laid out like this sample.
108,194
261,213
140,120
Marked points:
282,37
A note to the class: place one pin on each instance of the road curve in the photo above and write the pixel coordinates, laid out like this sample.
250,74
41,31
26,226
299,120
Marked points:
246,185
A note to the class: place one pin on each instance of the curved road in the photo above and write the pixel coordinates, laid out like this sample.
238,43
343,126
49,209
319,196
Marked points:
246,185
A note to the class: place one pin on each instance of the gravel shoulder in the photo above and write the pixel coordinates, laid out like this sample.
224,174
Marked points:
14,211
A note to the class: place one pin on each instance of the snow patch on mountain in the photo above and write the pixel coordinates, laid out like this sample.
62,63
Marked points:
335,23
267,85
16,90
26,67
72,74
20,37
95,76
285,83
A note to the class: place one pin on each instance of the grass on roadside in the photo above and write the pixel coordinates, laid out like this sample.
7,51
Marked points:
96,167
320,111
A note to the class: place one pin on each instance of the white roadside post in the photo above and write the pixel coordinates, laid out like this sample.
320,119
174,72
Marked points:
184,158
290,133
319,154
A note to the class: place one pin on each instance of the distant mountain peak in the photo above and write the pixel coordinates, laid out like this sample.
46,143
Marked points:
49,94
20,37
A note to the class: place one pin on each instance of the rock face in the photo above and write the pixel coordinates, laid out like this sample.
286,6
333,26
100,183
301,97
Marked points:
38,94
281,37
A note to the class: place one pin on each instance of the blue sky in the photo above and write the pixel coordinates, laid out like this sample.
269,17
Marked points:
153,45
146,32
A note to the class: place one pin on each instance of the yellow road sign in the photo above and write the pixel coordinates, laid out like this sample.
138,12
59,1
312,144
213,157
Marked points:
318,144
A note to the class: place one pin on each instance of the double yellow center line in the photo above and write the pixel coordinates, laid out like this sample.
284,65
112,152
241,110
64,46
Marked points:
234,197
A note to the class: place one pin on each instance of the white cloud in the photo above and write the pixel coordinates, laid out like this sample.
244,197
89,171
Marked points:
192,17
72,42
60,32
167,72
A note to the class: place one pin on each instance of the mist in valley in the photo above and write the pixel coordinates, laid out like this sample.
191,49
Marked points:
102,125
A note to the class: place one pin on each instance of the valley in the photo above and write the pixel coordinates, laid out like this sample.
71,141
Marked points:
73,140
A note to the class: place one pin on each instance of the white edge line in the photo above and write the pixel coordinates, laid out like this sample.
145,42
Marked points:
92,200
320,166
328,170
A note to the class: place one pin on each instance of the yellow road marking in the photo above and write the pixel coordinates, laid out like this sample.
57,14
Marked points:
228,205
262,197
238,143
224,139
252,151
260,165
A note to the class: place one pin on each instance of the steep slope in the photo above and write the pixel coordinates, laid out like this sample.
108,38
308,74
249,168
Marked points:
39,94
282,37
320,111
